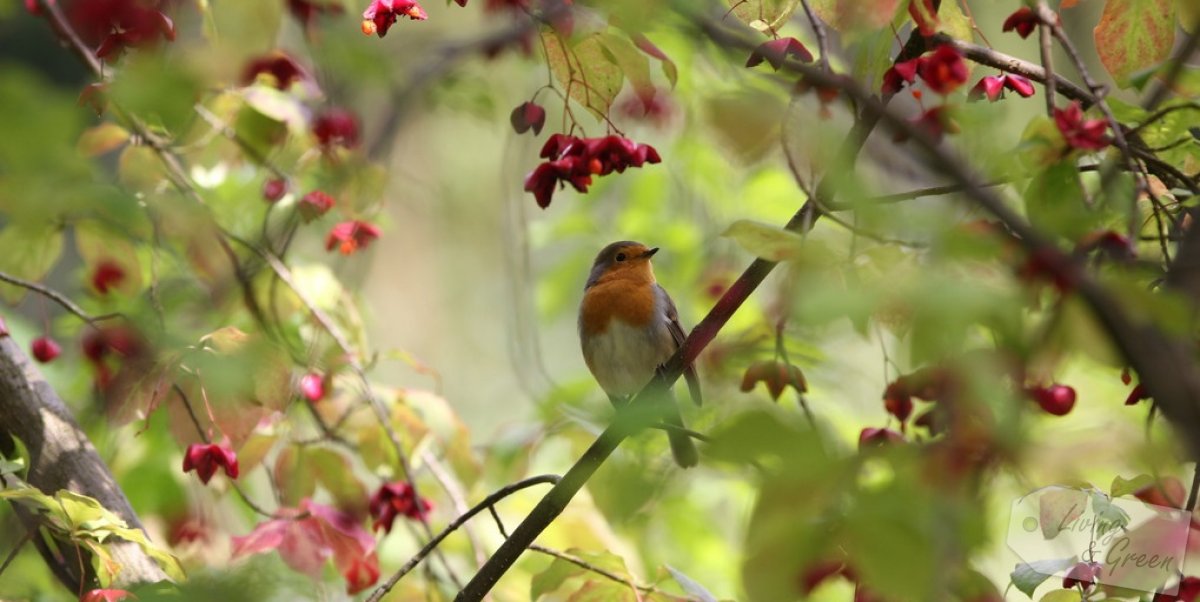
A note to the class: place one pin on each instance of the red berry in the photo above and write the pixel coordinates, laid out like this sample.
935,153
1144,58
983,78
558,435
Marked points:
312,386
274,189
45,349
1055,399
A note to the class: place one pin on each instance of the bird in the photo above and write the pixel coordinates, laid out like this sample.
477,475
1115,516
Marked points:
628,327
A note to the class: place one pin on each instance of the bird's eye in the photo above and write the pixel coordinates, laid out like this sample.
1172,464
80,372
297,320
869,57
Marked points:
620,257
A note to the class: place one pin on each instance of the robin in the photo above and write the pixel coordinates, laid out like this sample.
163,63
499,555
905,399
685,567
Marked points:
628,327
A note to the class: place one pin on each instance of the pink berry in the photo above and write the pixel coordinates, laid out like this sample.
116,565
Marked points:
45,349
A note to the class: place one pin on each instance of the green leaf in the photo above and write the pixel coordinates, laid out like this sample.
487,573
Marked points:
1108,515
275,106
30,251
1121,487
603,590
1027,576
952,21
293,476
765,241
103,138
763,15
1058,507
559,571
334,472
690,586
1054,201
633,63
854,16
1133,34
1061,595
586,70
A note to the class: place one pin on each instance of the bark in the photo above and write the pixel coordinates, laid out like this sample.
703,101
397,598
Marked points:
62,457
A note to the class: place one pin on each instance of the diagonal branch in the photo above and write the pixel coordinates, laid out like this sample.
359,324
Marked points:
487,503
56,297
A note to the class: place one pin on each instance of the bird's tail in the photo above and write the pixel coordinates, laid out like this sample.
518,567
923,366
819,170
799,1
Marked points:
682,447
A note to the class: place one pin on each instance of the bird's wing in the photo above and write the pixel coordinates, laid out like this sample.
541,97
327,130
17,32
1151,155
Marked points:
677,333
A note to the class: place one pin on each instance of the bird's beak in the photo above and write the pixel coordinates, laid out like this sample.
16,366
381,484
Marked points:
649,253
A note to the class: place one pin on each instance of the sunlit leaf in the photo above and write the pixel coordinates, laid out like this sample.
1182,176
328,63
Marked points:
31,250
101,139
585,69
764,241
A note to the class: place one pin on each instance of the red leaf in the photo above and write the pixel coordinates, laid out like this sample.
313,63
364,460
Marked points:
306,544
776,53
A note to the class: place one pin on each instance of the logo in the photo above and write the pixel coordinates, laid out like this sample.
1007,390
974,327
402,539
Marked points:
1087,536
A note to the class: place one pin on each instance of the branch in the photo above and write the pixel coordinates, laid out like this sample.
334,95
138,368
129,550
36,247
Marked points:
1012,64
56,297
62,457
1045,18
487,503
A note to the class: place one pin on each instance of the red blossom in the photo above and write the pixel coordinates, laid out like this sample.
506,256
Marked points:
106,595
45,349
528,116
900,74
944,70
33,7
1110,243
351,236
992,87
382,14
107,275
336,126
1055,399
282,68
305,544
1086,134
1138,393
1024,21
776,53
307,10
312,386
119,24
396,499
1189,591
274,189
878,437
1083,573
314,205
205,458
574,161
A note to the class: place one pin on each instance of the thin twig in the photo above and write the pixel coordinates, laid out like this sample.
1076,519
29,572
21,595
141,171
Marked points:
1012,64
204,437
1159,114
16,548
56,297
1045,18
819,31
924,192
487,502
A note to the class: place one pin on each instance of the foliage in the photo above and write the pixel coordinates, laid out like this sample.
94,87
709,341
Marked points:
210,188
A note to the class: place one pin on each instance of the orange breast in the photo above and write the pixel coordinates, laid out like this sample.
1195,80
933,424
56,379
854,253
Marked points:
630,302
